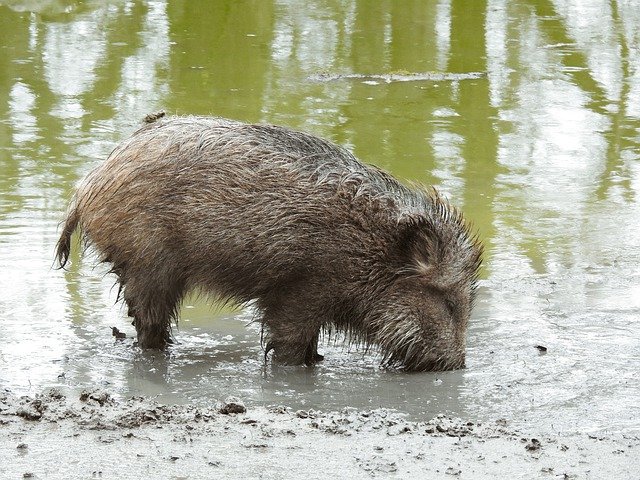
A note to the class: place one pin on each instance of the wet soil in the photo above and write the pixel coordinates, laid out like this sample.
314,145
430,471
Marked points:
90,434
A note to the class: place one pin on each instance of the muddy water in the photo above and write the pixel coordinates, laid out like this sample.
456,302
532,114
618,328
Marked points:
541,151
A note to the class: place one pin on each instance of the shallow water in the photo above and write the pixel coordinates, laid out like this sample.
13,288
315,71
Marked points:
542,153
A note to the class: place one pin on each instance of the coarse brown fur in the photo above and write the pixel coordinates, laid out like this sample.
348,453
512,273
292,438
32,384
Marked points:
320,241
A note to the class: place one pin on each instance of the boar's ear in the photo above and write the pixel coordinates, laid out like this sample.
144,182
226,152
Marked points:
418,242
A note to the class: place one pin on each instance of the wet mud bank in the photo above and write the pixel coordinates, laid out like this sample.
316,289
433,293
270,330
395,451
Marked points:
68,435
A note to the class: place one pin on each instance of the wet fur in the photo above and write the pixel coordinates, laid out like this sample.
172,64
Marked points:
319,240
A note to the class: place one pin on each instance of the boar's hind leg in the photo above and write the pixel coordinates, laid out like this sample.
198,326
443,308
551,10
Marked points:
153,304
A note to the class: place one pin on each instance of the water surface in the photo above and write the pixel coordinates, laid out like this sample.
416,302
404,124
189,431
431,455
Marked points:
541,151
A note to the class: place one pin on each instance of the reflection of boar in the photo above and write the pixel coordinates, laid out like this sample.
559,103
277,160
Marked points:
320,241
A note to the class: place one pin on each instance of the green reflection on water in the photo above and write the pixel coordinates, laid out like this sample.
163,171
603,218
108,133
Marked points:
76,77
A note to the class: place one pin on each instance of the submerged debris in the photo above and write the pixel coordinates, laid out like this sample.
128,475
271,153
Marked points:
118,334
398,76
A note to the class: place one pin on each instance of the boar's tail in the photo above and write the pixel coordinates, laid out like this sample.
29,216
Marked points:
63,248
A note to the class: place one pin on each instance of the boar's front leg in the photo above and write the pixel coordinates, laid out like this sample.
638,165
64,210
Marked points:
290,346
293,327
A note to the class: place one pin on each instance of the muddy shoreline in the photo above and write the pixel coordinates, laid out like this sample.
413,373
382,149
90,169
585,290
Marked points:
59,434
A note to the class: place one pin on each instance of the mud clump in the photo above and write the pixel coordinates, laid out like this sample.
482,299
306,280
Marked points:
144,416
451,427
99,397
319,241
31,409
96,409
532,445
232,406
350,421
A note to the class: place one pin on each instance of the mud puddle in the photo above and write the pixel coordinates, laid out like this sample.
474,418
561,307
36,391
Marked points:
543,380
